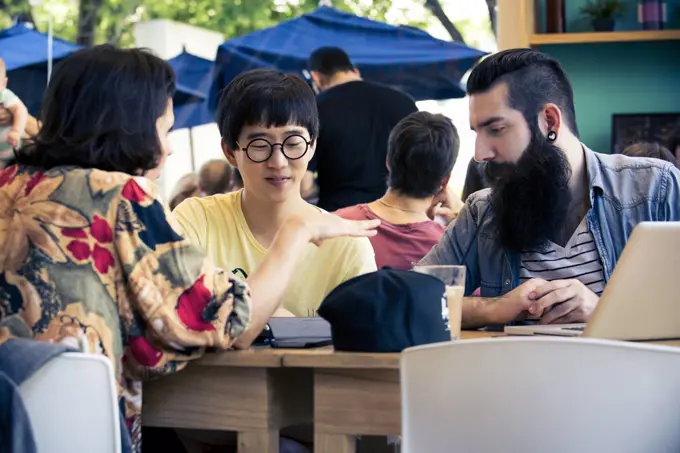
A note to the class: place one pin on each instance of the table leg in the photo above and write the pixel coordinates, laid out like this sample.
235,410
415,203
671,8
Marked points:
260,441
334,443
254,402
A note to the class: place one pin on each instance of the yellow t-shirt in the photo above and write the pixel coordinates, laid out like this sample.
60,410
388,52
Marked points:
217,225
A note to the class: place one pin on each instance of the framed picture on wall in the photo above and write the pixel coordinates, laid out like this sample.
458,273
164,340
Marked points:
632,128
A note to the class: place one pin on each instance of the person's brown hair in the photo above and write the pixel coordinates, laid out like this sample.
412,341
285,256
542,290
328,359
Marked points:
653,150
216,176
186,187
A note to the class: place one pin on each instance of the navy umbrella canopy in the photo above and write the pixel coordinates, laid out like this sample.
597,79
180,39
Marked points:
403,57
25,52
21,46
194,76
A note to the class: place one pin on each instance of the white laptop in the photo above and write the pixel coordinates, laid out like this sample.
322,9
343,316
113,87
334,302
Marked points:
641,300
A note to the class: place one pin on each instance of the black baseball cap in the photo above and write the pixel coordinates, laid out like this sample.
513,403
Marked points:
387,311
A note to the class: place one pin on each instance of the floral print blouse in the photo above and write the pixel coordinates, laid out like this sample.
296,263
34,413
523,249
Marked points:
91,259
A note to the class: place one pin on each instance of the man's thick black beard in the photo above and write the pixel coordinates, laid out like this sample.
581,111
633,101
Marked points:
530,199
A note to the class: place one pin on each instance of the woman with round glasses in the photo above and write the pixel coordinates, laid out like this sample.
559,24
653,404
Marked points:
269,125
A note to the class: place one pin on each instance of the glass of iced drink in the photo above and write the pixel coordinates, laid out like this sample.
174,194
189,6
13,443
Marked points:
454,280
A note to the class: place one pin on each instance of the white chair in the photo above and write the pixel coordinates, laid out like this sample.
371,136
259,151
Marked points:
73,405
540,395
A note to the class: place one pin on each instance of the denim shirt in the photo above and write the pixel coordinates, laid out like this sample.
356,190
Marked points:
624,191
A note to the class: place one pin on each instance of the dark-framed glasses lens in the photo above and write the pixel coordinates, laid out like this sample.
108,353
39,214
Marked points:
259,150
295,146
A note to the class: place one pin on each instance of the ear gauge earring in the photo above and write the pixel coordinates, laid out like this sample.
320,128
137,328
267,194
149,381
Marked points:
552,136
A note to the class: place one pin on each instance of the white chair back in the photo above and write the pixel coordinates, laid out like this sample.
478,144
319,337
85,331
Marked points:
73,405
538,395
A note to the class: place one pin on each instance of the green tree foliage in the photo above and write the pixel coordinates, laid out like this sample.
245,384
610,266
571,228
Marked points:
98,21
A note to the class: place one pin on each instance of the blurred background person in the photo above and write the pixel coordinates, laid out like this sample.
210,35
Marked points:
186,187
674,144
653,150
215,176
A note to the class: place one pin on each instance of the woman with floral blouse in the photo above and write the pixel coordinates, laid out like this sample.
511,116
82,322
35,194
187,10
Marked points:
88,256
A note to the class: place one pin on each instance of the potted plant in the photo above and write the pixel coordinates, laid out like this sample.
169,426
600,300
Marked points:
603,13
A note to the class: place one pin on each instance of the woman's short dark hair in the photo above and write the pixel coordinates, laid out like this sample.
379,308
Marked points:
100,111
653,150
421,151
269,98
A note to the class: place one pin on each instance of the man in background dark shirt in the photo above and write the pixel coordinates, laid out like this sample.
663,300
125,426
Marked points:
356,119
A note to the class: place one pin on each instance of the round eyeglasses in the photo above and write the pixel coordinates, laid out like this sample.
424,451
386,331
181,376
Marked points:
260,149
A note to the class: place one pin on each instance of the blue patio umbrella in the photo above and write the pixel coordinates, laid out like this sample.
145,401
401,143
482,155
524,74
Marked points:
194,75
26,55
22,46
403,57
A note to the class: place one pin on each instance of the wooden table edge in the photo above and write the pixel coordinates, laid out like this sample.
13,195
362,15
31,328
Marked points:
328,358
253,357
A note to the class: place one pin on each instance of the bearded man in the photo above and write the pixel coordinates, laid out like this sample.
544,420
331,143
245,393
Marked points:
543,240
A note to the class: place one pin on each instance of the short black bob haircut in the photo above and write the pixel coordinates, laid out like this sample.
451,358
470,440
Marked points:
268,98
534,79
329,60
421,151
100,111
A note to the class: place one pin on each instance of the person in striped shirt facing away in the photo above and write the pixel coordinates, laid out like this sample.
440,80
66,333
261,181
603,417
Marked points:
543,240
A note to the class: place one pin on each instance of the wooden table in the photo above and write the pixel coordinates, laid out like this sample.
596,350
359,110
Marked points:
359,394
248,392
259,391
354,394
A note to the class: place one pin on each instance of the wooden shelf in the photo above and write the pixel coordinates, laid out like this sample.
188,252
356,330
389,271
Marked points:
597,37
